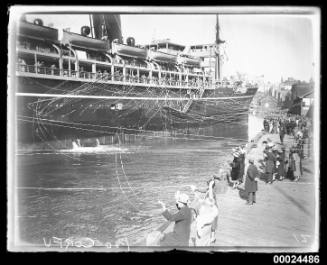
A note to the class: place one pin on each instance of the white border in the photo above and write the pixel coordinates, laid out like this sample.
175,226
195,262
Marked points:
18,10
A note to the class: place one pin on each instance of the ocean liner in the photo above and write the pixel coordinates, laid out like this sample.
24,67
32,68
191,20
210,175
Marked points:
92,83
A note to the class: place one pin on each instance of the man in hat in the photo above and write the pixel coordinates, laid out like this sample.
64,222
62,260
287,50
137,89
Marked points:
183,218
281,163
242,152
281,132
236,167
265,145
270,163
251,185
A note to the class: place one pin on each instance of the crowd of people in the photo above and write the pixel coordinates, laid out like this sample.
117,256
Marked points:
289,125
278,164
196,222
237,165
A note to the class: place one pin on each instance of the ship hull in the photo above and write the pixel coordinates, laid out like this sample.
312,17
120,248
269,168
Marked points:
41,117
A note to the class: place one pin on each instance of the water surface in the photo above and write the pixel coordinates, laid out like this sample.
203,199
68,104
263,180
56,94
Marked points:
112,192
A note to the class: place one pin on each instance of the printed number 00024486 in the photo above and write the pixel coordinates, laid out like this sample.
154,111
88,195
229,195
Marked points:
292,259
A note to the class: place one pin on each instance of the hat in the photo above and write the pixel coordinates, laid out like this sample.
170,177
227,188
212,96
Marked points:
236,154
271,144
217,177
183,198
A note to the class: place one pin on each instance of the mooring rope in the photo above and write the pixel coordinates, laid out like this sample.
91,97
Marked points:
129,129
122,166
120,186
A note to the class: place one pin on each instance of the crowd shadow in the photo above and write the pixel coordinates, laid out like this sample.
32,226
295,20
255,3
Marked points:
307,170
242,194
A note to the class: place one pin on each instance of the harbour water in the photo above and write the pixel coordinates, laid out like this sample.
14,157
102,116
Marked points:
108,192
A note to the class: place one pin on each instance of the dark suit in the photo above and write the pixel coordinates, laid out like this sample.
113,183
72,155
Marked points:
266,125
242,167
270,165
281,133
236,167
182,229
281,167
251,185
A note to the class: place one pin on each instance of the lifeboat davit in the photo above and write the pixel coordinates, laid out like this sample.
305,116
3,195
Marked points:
128,51
162,57
189,60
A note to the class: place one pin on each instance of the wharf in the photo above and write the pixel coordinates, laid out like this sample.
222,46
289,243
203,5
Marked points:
282,219
283,216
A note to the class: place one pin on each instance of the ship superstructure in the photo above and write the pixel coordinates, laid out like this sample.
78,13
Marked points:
78,85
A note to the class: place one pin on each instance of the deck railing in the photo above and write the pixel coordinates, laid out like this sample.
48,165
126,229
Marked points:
107,77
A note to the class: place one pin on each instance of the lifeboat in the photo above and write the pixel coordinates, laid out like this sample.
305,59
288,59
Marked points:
84,42
38,31
129,51
162,57
188,60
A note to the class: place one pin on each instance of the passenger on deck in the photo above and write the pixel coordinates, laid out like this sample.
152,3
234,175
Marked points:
53,68
183,218
38,65
22,65
105,74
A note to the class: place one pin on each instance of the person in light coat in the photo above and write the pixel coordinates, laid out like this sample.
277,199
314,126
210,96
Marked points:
207,216
296,164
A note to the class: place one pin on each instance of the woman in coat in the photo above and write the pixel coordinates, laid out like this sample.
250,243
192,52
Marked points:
296,165
242,166
207,216
236,166
270,164
281,166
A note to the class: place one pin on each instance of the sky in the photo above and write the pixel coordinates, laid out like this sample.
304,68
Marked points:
274,46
